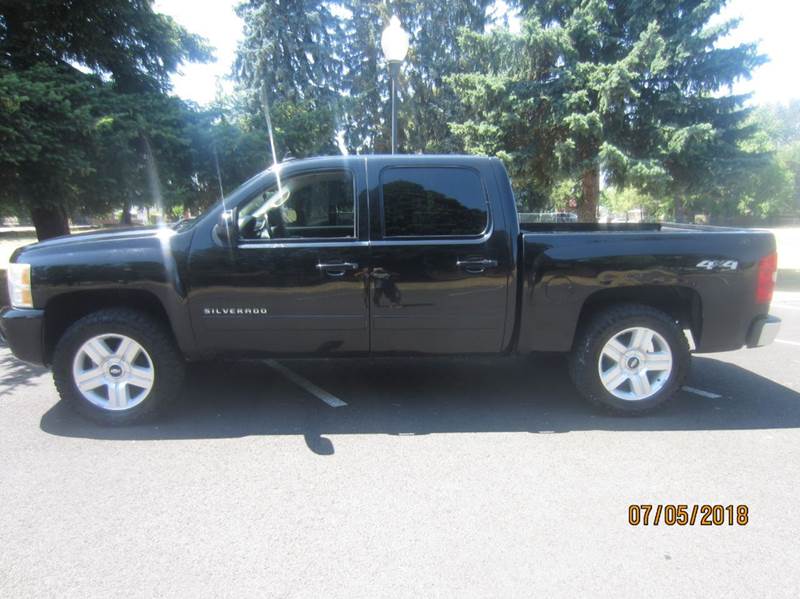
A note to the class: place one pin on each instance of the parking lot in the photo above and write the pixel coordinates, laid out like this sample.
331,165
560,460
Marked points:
490,477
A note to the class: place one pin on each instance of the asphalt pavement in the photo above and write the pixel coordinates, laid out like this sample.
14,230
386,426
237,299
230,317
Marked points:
486,477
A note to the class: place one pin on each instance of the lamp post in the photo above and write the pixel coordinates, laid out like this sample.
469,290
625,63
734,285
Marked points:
394,42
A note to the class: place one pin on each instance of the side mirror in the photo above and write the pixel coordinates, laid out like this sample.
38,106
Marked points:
227,229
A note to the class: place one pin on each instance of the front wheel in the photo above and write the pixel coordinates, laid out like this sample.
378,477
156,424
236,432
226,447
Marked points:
630,359
117,366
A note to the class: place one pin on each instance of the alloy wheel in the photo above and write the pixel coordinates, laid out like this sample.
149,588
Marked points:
635,363
113,372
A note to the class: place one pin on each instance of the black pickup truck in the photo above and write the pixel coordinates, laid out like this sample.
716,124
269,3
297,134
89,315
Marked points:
383,255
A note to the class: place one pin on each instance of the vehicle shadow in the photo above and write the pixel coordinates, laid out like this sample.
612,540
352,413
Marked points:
421,397
16,373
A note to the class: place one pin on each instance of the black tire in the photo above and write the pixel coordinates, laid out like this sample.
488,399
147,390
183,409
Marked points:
583,361
167,361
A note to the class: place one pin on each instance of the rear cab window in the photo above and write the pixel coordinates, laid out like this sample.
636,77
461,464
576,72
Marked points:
433,202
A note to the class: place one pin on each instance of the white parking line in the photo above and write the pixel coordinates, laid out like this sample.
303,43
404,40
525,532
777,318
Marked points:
787,342
702,393
303,382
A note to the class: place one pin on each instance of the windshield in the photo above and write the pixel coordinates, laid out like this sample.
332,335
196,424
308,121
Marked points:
234,196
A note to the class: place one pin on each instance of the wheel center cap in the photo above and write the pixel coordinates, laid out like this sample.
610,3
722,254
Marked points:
632,361
114,369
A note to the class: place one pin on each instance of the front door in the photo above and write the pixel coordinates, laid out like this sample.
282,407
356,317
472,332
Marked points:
441,261
295,281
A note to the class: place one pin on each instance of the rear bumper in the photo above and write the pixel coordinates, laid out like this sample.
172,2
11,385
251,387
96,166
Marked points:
23,331
763,330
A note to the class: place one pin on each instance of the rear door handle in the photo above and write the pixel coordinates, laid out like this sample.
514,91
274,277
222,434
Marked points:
336,269
476,266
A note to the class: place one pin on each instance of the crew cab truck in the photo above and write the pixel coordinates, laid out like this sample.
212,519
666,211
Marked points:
379,256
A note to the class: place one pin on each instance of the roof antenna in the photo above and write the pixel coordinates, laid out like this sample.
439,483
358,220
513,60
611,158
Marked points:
265,105
219,172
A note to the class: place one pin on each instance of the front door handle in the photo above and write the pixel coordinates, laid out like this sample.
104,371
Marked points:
336,269
476,266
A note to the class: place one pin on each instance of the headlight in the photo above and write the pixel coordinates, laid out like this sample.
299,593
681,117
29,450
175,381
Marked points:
19,285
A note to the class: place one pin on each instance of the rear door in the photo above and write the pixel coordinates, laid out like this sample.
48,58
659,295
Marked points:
440,259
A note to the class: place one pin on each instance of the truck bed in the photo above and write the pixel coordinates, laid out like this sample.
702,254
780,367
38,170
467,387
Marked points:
570,267
620,227
587,227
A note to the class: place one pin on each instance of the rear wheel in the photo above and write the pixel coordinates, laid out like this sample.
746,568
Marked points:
117,366
630,359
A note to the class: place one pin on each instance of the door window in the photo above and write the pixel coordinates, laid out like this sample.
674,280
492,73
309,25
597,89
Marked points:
308,206
433,202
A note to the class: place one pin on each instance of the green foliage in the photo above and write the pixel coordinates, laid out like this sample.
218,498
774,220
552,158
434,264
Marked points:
142,150
72,140
773,188
426,103
224,152
564,196
621,201
767,186
123,40
321,71
47,115
290,63
634,89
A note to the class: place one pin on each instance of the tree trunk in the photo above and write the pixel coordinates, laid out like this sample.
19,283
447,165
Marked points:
126,213
680,210
50,221
590,193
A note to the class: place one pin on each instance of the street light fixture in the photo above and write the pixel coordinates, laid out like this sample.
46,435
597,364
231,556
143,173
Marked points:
394,42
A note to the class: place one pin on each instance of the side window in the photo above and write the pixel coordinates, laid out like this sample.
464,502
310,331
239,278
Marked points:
432,202
313,205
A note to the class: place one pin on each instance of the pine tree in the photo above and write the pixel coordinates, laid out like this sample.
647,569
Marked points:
426,103
320,69
635,89
290,63
58,123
